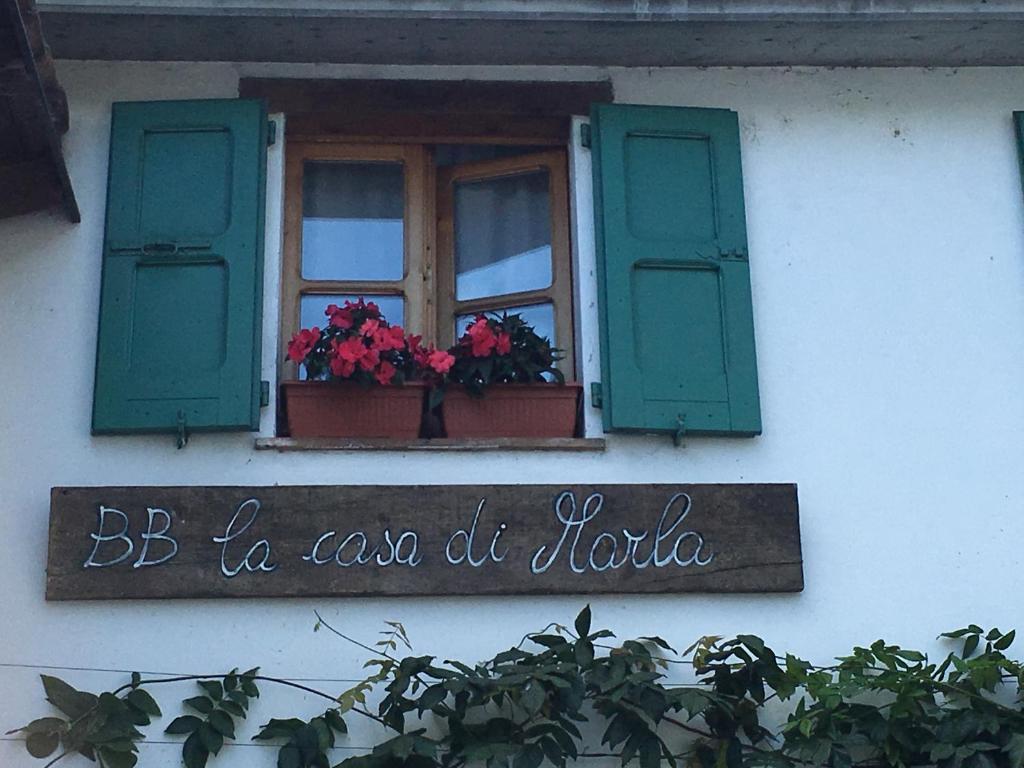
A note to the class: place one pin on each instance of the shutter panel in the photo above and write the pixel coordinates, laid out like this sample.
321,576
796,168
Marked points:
179,332
677,334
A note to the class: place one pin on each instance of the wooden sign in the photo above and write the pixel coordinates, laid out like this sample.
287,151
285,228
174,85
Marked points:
222,541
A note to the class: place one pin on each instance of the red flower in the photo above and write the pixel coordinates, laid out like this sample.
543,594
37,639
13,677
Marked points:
341,367
386,339
440,360
369,360
302,344
369,327
504,345
385,373
351,349
481,337
340,318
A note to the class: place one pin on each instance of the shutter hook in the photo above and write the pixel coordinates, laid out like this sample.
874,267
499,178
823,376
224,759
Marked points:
680,433
182,434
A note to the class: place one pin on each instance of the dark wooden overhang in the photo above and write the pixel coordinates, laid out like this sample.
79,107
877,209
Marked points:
634,33
33,116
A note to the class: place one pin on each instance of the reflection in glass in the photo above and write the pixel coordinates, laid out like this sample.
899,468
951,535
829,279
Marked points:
311,308
540,316
353,221
502,235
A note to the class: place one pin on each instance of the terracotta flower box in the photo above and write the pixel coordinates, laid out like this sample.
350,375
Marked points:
512,410
348,409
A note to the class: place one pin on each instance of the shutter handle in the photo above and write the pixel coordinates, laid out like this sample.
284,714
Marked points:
159,248
680,433
182,434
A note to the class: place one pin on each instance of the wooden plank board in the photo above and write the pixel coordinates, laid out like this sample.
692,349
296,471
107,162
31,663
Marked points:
290,541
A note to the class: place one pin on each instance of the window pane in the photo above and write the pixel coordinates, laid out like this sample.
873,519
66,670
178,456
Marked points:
502,235
311,308
353,221
540,316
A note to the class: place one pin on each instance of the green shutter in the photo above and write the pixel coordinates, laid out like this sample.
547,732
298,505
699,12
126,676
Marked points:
1018,119
180,310
677,332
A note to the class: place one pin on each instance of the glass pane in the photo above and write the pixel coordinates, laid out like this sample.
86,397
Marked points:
311,308
502,235
353,221
540,316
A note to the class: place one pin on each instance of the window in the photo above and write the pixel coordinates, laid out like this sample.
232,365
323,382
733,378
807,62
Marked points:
433,233
438,200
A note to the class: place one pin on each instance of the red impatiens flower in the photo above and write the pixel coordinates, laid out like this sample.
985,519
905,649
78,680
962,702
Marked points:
481,337
386,339
504,344
369,360
340,318
351,349
369,327
386,373
440,361
341,367
302,344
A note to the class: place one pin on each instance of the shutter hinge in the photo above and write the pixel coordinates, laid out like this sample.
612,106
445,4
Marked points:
271,133
585,135
264,394
596,398
680,433
740,254
182,434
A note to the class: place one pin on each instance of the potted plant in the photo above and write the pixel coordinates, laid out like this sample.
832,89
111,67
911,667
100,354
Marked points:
362,377
503,383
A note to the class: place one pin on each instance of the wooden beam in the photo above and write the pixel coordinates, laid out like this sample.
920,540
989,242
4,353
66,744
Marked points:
27,187
428,97
34,110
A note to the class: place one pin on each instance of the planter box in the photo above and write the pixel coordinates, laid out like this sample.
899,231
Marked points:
512,410
347,409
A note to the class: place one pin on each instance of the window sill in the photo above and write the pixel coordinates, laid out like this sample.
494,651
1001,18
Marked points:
585,444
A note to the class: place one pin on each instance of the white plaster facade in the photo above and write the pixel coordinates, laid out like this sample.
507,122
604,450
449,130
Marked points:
886,231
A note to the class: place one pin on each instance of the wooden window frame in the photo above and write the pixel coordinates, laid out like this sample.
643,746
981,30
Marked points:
416,283
558,293
428,281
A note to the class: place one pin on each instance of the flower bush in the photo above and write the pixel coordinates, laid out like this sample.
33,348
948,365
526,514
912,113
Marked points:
358,344
503,349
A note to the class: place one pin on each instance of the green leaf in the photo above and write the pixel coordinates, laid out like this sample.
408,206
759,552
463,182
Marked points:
289,757
43,725
1014,750
232,708
335,721
71,702
279,729
200,704
41,744
194,753
223,723
1005,641
583,622
583,650
530,757
213,689
117,759
970,645
211,738
143,702
183,724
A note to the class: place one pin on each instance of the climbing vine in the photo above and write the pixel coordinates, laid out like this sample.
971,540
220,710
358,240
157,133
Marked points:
567,694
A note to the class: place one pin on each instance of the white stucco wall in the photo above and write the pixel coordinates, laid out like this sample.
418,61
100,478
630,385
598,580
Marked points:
886,225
